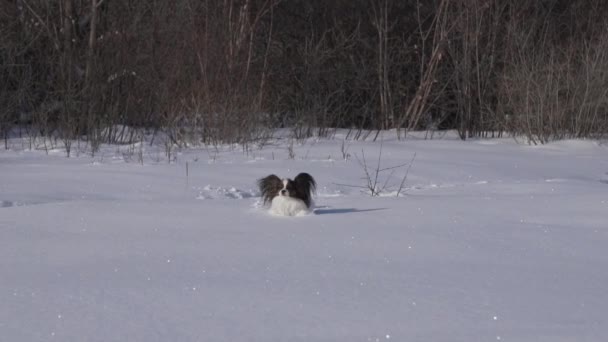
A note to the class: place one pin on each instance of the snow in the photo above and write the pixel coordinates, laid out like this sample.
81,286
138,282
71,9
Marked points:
489,240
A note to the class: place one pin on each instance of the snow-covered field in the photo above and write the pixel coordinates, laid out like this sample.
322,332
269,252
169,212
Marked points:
490,240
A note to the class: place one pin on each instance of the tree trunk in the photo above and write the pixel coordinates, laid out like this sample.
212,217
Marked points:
92,41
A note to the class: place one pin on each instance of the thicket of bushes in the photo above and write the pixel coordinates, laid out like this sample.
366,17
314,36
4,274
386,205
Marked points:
228,70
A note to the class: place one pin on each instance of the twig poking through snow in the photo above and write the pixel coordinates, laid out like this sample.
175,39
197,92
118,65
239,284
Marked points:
373,179
405,176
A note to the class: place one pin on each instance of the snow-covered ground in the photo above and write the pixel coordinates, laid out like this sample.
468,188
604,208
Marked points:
490,240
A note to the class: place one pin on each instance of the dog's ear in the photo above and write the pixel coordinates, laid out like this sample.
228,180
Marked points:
305,181
269,187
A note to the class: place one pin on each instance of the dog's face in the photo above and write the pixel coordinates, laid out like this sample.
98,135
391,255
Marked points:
300,187
279,187
288,188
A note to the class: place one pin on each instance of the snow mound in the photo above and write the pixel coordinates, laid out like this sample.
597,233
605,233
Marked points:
212,192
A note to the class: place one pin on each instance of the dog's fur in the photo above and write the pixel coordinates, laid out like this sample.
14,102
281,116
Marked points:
300,188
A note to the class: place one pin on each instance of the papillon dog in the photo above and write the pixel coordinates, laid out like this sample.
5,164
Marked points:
288,197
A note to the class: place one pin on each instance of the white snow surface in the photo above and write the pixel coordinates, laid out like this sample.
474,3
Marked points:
489,240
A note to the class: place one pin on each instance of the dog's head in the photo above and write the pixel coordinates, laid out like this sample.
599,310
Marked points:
300,187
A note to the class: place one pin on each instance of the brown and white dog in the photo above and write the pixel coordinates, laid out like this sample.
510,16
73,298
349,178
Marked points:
288,197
